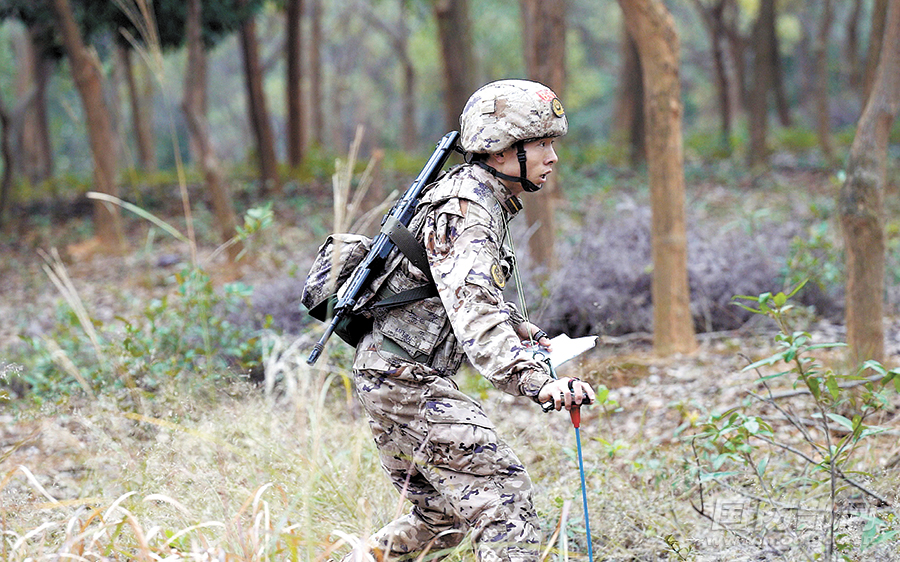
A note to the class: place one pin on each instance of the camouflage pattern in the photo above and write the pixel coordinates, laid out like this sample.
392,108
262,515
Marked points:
436,444
440,450
502,113
335,261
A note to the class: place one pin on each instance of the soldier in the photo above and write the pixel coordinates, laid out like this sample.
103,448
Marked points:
436,444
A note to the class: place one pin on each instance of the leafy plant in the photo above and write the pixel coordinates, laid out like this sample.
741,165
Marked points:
183,336
746,441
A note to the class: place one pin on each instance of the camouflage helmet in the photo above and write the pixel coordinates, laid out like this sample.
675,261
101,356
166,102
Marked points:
502,113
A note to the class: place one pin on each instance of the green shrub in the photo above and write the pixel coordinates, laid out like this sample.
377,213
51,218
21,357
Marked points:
796,452
185,337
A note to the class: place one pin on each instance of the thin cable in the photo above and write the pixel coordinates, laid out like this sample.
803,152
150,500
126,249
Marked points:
519,287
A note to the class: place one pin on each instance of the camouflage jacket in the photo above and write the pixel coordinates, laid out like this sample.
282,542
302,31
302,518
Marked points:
462,222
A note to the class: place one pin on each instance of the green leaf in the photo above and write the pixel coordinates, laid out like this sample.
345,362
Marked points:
841,420
761,467
707,476
813,384
780,299
833,388
797,288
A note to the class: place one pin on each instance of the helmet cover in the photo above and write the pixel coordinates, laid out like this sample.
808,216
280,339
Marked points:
502,113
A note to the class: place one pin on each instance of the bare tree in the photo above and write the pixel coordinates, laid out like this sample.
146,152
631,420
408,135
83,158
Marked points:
713,15
194,107
851,43
296,120
455,38
32,138
317,124
259,113
879,14
398,35
544,22
763,80
88,79
861,201
141,119
820,51
628,116
653,28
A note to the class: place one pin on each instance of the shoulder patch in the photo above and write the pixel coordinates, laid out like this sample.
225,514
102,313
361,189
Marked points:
497,275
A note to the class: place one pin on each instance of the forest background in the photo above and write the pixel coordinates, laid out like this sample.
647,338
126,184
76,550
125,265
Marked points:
156,228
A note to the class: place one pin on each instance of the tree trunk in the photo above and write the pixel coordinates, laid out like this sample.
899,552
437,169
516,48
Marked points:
763,78
408,119
194,107
259,113
455,37
296,120
398,36
653,27
85,70
851,44
778,82
544,21
820,49
317,113
7,155
879,13
861,202
140,120
32,136
737,48
628,118
714,18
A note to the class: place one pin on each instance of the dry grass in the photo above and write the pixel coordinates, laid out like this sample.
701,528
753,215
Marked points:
287,471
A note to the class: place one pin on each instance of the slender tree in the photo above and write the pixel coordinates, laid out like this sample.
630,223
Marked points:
256,99
653,28
544,22
763,80
296,120
879,15
628,117
89,81
457,59
820,52
141,117
398,34
861,202
713,15
317,124
194,107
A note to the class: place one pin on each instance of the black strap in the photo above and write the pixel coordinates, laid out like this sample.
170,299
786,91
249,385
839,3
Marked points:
407,243
415,253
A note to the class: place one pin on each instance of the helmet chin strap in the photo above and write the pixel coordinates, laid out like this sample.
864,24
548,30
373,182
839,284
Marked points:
527,184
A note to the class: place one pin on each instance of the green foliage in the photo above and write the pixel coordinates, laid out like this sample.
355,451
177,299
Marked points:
794,139
744,443
816,258
185,337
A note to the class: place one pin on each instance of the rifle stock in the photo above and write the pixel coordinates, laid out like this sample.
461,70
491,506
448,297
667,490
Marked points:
403,210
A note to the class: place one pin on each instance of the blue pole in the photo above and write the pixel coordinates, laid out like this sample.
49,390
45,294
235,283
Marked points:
575,414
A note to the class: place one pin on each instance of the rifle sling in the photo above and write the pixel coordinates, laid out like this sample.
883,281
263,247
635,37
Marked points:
415,253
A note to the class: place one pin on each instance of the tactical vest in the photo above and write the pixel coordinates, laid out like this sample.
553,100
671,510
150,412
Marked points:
421,331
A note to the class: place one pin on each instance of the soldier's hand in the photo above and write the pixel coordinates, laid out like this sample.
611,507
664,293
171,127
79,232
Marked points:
565,393
530,332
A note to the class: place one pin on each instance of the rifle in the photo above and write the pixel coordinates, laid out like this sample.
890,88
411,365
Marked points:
400,214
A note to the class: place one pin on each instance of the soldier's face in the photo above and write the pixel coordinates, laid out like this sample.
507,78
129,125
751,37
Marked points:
540,157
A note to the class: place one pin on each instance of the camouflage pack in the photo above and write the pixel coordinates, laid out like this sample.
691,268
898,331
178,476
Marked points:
335,261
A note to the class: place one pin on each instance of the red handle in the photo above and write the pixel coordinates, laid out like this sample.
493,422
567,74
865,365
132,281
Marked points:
575,414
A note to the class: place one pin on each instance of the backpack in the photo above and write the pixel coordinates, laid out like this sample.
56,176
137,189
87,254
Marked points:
332,269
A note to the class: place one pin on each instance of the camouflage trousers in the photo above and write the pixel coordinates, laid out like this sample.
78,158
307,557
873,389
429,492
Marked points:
443,454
